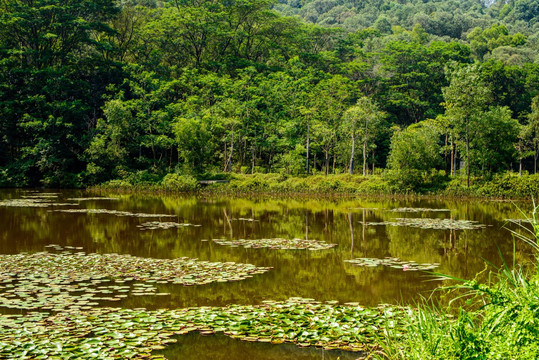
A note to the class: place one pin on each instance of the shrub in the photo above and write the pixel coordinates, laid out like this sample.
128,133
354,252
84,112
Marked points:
181,183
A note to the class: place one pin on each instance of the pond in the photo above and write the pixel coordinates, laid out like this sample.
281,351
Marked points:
363,251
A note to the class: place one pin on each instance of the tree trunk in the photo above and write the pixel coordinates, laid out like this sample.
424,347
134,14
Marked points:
445,153
452,166
373,162
353,152
307,162
253,155
229,162
365,148
519,159
365,157
225,159
467,155
535,160
327,163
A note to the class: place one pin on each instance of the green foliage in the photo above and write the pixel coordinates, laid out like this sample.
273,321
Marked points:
179,183
318,184
511,185
416,147
499,321
507,185
96,91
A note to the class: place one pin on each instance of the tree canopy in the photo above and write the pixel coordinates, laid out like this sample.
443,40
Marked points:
96,90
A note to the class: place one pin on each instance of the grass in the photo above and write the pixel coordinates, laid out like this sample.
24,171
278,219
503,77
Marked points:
499,318
507,185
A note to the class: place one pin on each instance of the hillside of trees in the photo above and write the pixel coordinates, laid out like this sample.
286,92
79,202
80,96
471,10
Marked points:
95,90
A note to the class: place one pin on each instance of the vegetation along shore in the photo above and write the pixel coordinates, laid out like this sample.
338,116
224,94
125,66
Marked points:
130,91
345,98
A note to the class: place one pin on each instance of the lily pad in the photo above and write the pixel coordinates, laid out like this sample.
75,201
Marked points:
417,210
114,332
155,225
65,279
393,262
93,198
428,223
277,244
112,212
31,202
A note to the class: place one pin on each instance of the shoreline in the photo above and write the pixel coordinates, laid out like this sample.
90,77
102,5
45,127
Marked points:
507,187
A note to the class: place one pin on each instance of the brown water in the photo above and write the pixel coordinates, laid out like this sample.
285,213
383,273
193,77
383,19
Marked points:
321,274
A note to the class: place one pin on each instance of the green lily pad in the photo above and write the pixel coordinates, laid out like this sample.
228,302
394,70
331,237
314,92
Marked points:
394,263
277,244
428,223
155,225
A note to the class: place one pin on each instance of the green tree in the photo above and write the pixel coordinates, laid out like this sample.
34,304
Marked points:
360,122
531,132
465,98
493,137
415,148
52,77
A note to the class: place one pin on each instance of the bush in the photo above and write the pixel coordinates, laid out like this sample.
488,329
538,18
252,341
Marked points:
416,181
511,185
180,183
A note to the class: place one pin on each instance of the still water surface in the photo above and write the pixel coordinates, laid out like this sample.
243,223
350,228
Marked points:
322,274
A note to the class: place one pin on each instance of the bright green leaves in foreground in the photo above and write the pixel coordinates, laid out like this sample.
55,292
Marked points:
126,333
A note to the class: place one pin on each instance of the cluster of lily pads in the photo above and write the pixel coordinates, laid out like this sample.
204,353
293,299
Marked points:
518,221
42,200
68,279
417,210
93,198
41,195
112,212
428,223
277,244
32,202
155,225
136,333
393,262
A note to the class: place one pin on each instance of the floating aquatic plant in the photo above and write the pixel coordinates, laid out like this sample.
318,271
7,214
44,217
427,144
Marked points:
154,225
417,210
135,333
70,279
112,212
518,221
93,198
31,202
394,263
41,196
427,223
277,244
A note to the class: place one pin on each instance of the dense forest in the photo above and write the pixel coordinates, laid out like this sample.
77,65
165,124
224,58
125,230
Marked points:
95,90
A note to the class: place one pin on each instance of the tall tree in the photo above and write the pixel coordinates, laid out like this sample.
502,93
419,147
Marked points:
465,98
532,131
360,122
52,78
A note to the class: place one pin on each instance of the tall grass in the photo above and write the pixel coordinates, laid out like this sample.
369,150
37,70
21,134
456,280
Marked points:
499,319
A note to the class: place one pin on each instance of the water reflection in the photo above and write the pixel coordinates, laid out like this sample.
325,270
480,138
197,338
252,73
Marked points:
322,274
